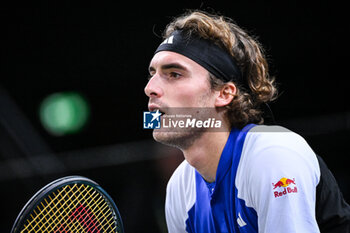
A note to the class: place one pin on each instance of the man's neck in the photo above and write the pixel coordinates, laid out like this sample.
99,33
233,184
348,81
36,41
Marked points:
204,155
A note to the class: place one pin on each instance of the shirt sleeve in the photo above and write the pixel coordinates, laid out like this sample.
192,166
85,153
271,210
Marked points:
277,176
332,211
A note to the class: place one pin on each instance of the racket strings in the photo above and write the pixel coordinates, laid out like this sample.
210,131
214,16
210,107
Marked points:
72,208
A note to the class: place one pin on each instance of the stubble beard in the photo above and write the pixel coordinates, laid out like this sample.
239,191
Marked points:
183,139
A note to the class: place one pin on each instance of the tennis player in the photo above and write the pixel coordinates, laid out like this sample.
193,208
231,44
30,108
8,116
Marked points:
247,177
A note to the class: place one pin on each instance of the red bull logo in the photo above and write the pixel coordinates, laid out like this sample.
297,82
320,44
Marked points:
288,186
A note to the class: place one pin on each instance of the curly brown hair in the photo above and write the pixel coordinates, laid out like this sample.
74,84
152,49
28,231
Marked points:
260,87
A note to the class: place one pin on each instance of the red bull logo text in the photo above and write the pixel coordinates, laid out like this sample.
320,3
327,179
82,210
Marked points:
288,186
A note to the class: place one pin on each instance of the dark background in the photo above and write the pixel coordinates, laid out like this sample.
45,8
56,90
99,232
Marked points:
102,50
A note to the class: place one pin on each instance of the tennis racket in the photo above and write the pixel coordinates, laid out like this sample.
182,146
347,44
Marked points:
69,204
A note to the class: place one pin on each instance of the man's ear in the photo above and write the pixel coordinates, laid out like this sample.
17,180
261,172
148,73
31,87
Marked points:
226,95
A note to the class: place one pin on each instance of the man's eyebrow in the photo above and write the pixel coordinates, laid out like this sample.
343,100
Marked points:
169,66
173,66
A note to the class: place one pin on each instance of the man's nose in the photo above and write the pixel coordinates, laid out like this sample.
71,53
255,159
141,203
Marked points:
153,87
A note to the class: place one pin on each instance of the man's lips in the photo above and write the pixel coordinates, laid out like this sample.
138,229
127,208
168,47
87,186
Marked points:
155,107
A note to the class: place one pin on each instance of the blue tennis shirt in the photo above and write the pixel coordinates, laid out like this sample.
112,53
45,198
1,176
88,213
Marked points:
265,182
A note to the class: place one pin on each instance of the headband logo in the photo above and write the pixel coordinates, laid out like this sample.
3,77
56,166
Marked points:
168,40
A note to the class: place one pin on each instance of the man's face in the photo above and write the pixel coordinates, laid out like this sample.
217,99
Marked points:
177,82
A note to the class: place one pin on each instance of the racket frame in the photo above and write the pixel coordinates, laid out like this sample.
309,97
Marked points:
55,185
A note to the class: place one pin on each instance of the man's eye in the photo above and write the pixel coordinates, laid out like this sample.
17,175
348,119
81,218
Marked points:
174,75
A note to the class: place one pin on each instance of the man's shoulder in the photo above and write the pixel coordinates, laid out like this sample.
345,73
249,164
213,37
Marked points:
264,136
271,130
276,144
276,151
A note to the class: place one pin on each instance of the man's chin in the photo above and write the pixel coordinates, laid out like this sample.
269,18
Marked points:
163,137
179,139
